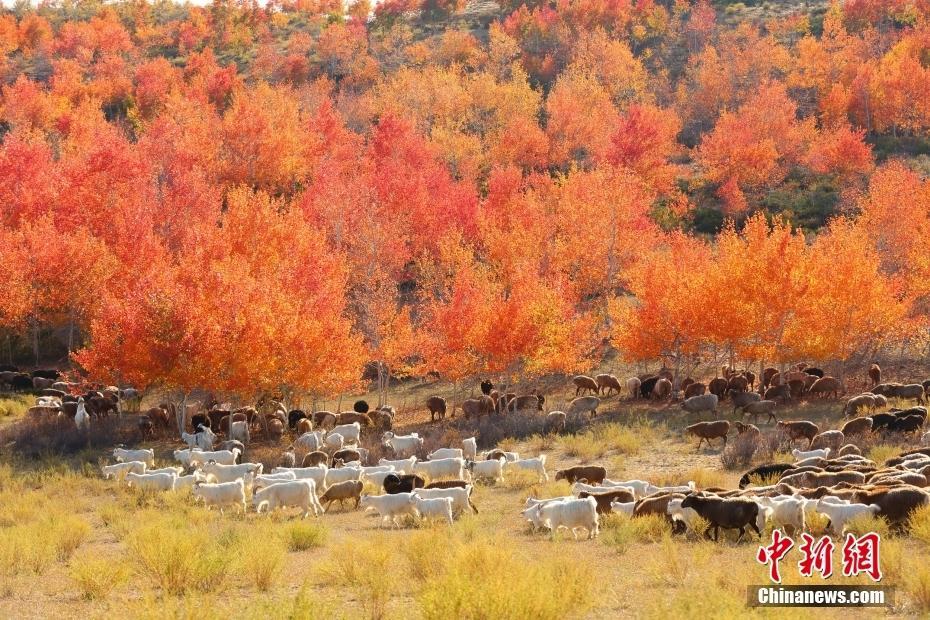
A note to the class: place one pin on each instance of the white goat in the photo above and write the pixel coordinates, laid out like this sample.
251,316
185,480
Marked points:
311,442
537,465
159,482
784,511
222,457
317,474
146,456
445,453
351,433
572,514
391,506
441,468
461,498
688,516
470,448
402,445
800,455
402,466
299,493
222,494
343,474
121,469
188,481
625,508
435,507
230,473
839,514
239,431
488,470
265,480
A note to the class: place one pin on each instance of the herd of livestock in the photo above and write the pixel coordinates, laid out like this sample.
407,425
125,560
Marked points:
327,463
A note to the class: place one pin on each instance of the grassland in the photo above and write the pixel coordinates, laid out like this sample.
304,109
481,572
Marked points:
74,545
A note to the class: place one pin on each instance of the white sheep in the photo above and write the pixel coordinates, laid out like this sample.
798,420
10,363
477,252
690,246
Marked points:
221,494
343,474
177,471
537,465
531,514
402,445
810,505
188,481
334,442
487,470
239,431
311,442
572,514
800,455
122,454
351,433
839,514
377,479
265,480
203,439
784,511
688,516
461,498
159,482
435,507
402,466
317,474
445,453
119,470
441,468
533,501
470,448
639,487
230,473
580,487
222,457
683,488
299,493
391,506
626,508
81,418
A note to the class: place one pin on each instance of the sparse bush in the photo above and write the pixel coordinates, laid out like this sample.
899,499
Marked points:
68,534
36,437
600,439
469,584
366,568
304,535
262,560
620,532
97,577
916,582
863,524
741,451
919,524
179,560
14,406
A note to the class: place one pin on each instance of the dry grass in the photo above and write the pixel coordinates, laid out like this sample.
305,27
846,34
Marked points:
179,560
96,578
304,535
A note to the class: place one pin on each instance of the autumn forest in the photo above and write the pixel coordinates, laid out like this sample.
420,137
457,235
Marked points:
258,196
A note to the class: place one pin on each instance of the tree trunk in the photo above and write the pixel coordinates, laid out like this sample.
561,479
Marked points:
35,341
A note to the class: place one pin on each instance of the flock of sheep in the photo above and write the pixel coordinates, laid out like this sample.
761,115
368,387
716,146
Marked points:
326,463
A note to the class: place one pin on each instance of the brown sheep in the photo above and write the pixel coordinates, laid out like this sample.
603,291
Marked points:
739,383
159,417
857,426
727,513
275,429
767,375
592,474
875,374
381,420
437,407
826,386
662,389
829,439
686,382
742,399
146,427
349,417
313,459
695,389
605,499
583,404
607,384
340,492
718,387
555,422
776,380
796,388
655,505
751,429
799,430
778,393
346,456
304,425
750,378
583,384
850,449
531,402
484,405
709,430
896,503
812,479
324,419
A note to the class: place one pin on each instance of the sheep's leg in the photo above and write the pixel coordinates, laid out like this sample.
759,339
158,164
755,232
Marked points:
707,531
716,532
742,531
756,528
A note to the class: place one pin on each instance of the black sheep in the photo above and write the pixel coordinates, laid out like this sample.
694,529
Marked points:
47,374
815,372
646,386
764,471
882,420
487,387
294,416
907,424
360,406
726,513
404,483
